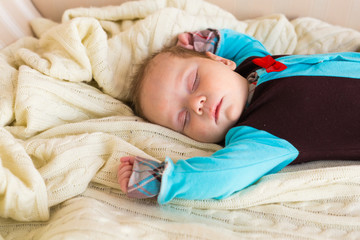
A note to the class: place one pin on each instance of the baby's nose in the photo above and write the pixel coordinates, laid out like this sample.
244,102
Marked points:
197,104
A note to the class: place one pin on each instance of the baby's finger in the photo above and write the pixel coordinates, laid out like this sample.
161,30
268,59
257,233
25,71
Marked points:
185,40
124,184
124,171
125,159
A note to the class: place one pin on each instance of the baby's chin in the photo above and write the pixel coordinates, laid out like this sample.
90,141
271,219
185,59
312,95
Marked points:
211,138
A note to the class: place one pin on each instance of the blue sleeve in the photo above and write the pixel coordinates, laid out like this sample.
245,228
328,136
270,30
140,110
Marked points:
249,154
238,46
343,64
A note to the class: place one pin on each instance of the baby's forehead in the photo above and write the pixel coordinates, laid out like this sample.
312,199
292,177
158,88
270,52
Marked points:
166,58
163,56
156,66
158,62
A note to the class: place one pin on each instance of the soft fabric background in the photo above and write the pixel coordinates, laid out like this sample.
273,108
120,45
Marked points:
15,17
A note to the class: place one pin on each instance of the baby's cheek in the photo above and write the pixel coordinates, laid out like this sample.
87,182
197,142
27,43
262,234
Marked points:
233,114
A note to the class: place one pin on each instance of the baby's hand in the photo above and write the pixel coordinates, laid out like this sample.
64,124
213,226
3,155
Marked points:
200,41
140,177
124,172
186,40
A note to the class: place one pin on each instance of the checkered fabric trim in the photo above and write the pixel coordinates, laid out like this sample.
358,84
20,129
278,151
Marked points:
145,180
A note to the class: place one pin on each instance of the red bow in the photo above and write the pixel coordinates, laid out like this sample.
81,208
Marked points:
270,64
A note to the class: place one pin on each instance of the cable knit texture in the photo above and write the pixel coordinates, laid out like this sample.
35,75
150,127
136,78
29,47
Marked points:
64,127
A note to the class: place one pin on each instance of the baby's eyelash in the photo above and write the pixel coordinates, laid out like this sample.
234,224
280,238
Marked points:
196,82
186,119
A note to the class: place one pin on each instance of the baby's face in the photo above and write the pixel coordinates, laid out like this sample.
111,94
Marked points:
199,97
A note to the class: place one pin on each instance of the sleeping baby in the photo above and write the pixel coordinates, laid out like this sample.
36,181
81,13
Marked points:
221,86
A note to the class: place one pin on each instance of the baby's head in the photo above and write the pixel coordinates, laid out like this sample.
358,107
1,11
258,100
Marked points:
197,94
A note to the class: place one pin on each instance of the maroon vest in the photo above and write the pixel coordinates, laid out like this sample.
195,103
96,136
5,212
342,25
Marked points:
320,116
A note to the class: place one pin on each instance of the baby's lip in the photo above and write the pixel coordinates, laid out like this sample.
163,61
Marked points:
217,111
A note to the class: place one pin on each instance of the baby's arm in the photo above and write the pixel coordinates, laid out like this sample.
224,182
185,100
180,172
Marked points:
225,43
249,154
238,46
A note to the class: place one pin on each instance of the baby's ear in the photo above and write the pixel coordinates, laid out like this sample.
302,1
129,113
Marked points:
231,64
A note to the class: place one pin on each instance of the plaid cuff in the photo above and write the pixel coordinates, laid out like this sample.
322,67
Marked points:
205,40
145,179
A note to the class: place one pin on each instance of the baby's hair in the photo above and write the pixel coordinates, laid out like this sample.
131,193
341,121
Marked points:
139,76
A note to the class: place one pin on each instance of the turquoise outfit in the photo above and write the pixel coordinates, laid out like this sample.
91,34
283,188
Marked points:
256,147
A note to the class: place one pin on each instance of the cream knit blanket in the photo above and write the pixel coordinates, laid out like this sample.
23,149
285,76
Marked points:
64,126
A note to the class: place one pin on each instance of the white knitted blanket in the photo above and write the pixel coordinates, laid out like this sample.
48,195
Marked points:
64,126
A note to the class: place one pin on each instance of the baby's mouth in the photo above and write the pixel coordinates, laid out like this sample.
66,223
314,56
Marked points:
217,111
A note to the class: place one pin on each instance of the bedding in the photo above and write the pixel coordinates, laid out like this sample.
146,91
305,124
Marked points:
65,125
15,17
